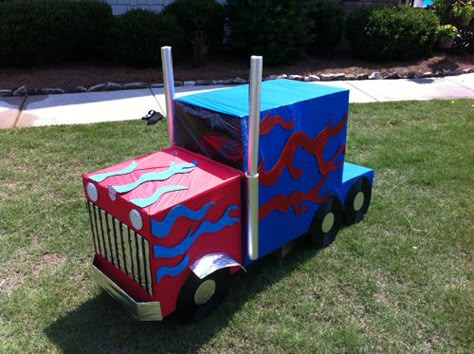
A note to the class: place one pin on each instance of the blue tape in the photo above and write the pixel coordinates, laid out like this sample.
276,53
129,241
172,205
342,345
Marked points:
162,228
205,227
144,202
172,271
180,168
101,176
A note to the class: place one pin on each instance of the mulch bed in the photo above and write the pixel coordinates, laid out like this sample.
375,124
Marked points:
216,68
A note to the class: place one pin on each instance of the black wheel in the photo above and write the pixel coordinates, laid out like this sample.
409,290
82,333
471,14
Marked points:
357,201
326,222
199,297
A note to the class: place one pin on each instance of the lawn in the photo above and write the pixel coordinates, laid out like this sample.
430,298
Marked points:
401,281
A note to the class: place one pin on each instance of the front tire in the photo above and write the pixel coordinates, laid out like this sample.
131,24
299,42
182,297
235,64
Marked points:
357,201
326,223
199,297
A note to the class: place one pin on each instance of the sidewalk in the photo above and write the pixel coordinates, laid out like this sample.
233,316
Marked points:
92,107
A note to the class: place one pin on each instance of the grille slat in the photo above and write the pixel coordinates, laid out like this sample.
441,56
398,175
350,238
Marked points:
137,253
102,234
92,226
114,223
130,242
121,246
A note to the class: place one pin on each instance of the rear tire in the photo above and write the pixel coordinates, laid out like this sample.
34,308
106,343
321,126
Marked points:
199,297
326,223
357,201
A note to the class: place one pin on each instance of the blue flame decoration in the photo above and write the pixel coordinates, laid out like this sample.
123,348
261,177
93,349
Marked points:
162,228
205,227
99,177
144,202
174,169
172,271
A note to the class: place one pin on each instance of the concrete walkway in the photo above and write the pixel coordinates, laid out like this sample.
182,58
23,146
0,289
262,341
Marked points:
92,107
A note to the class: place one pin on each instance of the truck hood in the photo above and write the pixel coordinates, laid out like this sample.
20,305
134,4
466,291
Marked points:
135,190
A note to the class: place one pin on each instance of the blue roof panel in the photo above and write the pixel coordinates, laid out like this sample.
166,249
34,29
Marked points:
275,93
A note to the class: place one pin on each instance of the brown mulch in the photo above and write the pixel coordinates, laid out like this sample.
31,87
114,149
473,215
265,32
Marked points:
86,74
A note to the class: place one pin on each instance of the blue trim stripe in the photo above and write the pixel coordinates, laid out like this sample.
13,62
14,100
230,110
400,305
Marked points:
162,228
172,271
101,176
144,202
205,227
184,167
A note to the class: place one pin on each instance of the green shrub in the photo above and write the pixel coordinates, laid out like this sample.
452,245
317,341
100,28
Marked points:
449,31
199,15
326,18
391,33
50,31
138,35
276,29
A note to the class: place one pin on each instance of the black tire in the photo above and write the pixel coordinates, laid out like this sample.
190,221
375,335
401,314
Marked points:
357,201
326,223
190,306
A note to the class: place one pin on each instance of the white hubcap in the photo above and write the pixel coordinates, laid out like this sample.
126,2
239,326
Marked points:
328,222
204,292
358,201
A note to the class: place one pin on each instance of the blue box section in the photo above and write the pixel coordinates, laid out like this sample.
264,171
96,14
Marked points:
301,150
352,172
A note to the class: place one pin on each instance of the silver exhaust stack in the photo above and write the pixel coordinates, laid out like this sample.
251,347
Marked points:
255,88
168,81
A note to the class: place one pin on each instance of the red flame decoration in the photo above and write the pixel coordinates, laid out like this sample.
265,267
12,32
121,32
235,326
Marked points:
269,122
294,199
230,149
313,146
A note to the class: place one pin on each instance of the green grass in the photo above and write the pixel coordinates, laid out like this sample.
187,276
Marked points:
401,281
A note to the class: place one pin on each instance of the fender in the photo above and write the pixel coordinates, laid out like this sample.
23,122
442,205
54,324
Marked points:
212,262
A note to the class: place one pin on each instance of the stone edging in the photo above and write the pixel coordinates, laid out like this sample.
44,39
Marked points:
114,86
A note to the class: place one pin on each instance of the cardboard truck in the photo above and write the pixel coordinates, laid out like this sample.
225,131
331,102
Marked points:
248,169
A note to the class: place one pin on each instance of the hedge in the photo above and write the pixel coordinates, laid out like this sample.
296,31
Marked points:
391,33
276,29
199,15
137,36
326,19
51,31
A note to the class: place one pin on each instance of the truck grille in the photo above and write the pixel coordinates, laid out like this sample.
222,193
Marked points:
121,246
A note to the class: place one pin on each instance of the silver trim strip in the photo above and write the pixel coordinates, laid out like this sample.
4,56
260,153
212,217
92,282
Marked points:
255,88
142,311
168,81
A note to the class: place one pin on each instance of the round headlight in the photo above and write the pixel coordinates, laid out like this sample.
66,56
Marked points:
136,219
92,192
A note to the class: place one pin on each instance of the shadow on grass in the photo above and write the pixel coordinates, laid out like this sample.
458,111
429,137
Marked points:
102,325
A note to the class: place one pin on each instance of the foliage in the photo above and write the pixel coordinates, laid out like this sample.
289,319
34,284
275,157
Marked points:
464,42
326,18
50,31
276,29
138,35
449,31
200,15
391,33
443,9
463,9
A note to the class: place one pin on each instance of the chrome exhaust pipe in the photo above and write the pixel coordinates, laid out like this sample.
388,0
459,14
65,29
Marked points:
168,81
255,88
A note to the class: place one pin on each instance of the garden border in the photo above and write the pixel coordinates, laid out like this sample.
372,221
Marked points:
115,86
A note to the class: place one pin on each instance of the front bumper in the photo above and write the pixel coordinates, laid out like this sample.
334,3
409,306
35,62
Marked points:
142,311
